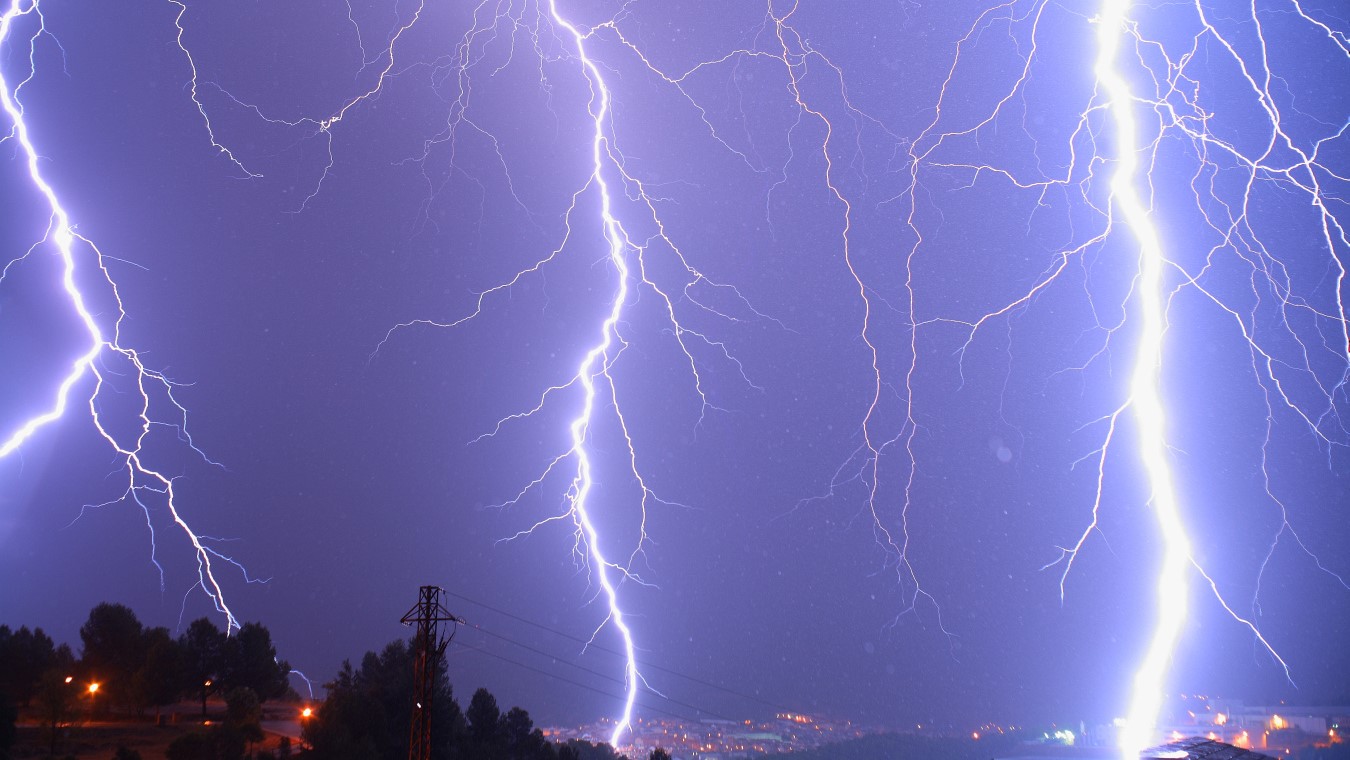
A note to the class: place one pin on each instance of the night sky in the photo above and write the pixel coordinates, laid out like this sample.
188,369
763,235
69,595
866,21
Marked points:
349,476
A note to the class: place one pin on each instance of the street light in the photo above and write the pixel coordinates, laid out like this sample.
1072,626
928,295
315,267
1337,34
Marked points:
93,692
305,715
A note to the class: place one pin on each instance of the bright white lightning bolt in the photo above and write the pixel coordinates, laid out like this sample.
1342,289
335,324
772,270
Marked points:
105,342
1153,292
1145,381
1114,184
1136,76
587,372
626,258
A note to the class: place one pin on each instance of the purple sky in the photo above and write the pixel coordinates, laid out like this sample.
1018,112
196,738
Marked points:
349,477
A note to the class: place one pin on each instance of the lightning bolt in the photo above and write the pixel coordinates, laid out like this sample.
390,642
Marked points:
596,363
1145,392
153,405
864,464
626,257
1115,26
1146,93
1148,96
629,247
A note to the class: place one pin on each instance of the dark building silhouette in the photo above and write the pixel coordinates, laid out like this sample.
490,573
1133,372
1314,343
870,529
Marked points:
1200,748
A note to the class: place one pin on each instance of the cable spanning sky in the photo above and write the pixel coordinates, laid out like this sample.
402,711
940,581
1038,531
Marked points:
913,364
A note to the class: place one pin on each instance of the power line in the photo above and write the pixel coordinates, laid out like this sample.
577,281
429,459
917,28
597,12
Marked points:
590,645
595,673
577,684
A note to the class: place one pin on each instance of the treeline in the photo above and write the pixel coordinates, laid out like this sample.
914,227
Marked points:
368,711
365,716
136,668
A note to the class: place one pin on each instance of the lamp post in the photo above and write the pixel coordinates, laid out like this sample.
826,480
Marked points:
306,715
93,692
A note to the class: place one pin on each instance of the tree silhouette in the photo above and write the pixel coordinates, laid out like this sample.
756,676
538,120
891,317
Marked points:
55,702
249,661
368,711
114,648
9,717
523,740
24,656
161,676
243,717
582,750
484,718
202,646
197,745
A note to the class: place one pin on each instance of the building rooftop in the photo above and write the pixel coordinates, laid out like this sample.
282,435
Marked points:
1198,748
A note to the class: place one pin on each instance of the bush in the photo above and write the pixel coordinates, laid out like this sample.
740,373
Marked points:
197,745
9,732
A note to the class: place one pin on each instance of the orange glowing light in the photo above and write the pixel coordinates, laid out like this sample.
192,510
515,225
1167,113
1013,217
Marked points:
975,735
1220,719
70,678
308,712
93,687
1276,722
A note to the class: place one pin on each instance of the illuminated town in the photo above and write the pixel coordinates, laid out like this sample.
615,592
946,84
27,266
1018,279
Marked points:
1274,729
1280,730
928,366
721,739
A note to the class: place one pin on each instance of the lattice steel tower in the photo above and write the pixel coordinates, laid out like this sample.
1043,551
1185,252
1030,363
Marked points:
428,649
